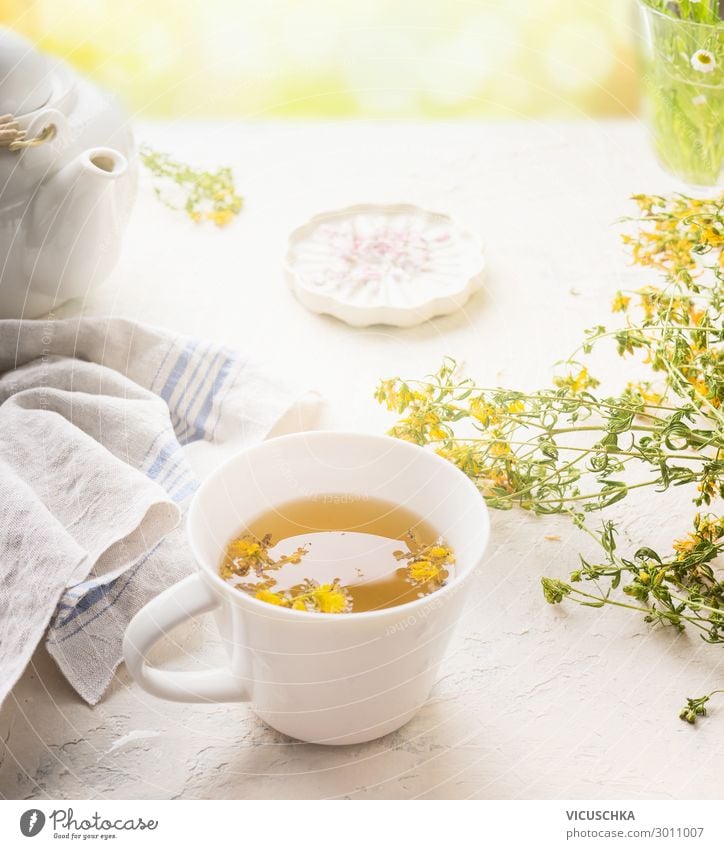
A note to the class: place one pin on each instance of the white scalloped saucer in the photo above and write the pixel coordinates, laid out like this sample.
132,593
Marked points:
392,264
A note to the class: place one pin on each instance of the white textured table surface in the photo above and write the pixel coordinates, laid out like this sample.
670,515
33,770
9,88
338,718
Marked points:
533,701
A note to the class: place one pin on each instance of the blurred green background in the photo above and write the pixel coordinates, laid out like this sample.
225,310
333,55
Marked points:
346,58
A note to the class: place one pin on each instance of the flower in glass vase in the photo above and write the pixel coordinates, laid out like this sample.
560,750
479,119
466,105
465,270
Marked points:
682,80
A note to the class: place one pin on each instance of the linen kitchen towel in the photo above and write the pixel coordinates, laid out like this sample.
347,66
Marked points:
99,419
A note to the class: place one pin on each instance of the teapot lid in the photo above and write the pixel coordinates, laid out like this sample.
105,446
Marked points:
25,78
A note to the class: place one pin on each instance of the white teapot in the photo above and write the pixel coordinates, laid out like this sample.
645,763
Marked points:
68,173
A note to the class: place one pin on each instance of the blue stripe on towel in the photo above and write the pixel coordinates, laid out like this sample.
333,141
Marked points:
179,464
177,476
84,603
199,431
187,490
164,466
175,411
102,592
168,432
203,385
177,370
168,450
93,598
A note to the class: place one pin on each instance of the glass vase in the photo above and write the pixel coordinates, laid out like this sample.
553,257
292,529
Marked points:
682,87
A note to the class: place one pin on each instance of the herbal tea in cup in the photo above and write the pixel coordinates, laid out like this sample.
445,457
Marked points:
337,553
336,566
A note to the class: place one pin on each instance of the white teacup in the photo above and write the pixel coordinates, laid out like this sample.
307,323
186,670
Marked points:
323,678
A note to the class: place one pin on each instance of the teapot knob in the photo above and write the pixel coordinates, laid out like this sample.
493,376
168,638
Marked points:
46,138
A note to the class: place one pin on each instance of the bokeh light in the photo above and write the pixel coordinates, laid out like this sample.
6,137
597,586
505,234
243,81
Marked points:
343,58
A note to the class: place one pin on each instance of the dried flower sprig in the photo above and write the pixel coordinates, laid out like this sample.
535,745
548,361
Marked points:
696,707
247,554
567,449
520,448
203,195
310,596
427,565
680,589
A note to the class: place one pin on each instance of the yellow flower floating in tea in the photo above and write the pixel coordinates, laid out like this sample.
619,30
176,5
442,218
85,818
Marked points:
426,569
426,564
249,554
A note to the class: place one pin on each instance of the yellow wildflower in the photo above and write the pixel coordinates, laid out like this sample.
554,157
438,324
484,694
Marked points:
696,316
583,381
422,571
576,383
707,487
484,412
271,598
709,528
331,598
645,392
685,545
649,296
700,388
499,448
394,394
468,458
247,553
322,598
516,407
221,217
495,480
620,302
711,237
674,227
209,195
244,547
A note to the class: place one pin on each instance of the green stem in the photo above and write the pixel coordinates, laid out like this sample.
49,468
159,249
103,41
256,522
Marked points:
647,610
541,397
590,496
599,428
699,606
617,451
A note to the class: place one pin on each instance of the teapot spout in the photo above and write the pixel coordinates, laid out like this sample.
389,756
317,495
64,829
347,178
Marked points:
76,224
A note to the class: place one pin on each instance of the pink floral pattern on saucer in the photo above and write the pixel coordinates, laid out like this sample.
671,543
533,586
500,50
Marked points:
397,265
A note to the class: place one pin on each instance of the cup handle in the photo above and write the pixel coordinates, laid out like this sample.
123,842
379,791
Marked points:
190,597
